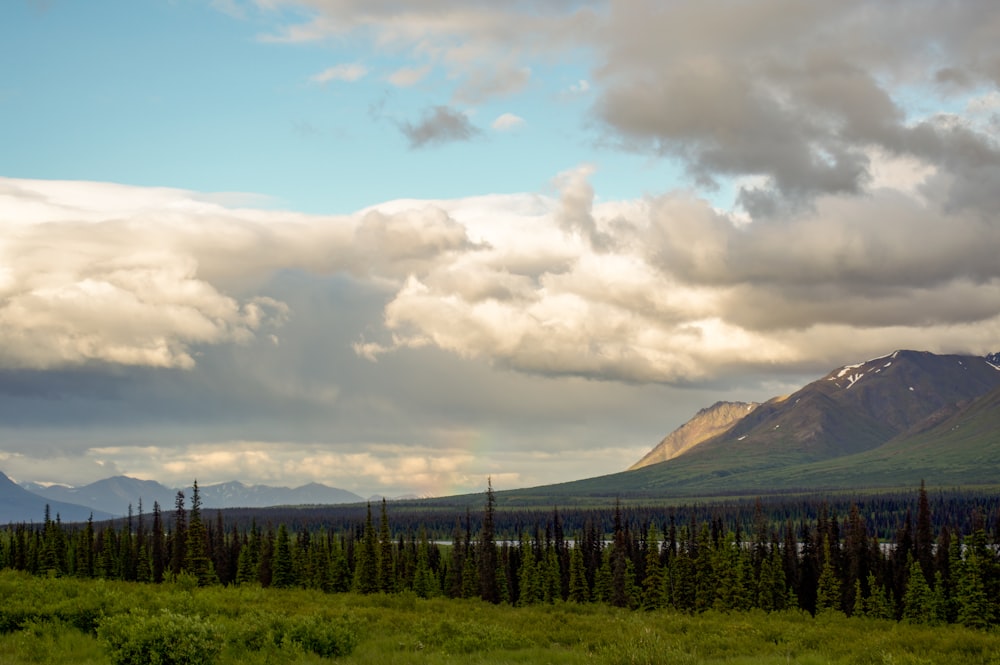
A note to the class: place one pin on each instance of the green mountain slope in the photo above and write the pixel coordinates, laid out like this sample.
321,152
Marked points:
886,422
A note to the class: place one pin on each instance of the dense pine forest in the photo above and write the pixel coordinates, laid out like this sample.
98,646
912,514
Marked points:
938,566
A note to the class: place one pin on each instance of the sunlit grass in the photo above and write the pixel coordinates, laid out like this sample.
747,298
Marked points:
55,621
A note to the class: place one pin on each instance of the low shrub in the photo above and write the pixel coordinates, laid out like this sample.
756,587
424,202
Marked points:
326,637
164,638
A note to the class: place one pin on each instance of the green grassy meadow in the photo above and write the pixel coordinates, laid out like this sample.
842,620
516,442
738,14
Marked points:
93,621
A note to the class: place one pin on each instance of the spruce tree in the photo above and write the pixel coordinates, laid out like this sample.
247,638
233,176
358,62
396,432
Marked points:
470,575
84,550
283,571
386,564
578,590
529,589
973,605
704,575
653,586
488,590
196,560
602,579
365,563
549,576
456,564
877,604
423,578
157,550
179,536
340,569
619,559
918,597
923,542
143,571
828,588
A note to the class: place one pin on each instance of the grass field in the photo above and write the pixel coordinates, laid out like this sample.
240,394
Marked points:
71,621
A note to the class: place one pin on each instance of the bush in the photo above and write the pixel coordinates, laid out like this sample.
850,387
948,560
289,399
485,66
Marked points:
165,638
466,637
325,637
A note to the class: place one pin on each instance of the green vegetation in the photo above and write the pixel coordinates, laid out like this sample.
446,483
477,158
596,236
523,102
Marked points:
648,590
62,621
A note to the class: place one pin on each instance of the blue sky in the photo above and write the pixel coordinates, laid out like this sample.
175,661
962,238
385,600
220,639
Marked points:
401,247
183,94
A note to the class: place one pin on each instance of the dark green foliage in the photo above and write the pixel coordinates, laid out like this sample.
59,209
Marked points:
918,601
578,590
828,589
823,566
283,576
366,563
196,560
385,559
178,538
326,637
488,589
162,638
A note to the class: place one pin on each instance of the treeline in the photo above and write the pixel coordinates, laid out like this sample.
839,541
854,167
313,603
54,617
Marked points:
832,563
884,512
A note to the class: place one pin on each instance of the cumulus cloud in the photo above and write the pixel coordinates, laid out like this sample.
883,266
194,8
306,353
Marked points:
663,289
640,295
794,96
94,272
670,289
439,125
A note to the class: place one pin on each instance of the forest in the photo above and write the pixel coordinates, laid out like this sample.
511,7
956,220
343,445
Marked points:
927,572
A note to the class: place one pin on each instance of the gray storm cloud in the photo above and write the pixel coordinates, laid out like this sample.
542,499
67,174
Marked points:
795,95
438,125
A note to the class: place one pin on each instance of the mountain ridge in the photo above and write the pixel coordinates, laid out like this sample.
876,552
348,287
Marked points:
709,422
19,505
113,496
849,429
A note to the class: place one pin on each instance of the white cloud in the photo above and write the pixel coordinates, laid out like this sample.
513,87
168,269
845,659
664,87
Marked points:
665,289
507,121
348,72
406,77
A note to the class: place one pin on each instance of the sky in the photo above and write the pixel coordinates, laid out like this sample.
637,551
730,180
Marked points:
403,247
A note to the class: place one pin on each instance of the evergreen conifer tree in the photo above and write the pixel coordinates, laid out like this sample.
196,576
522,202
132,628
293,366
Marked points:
178,536
386,564
602,579
578,590
828,588
196,560
158,552
877,605
918,597
653,586
283,572
365,563
488,589
529,589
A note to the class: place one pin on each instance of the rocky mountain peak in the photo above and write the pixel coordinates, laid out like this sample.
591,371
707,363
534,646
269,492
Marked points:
706,424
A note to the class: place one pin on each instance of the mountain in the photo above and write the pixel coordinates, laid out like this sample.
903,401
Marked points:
114,495
849,429
237,495
19,505
706,424
962,448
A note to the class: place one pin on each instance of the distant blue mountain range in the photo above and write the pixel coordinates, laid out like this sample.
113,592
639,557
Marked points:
112,497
